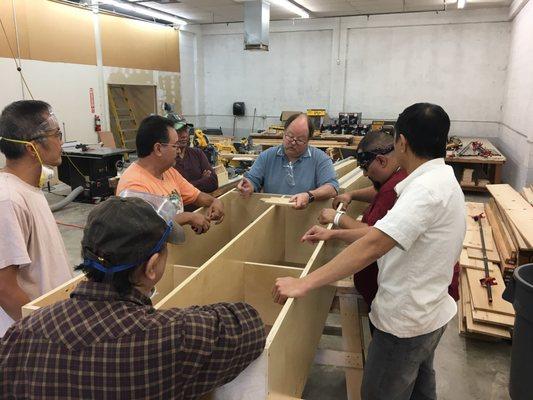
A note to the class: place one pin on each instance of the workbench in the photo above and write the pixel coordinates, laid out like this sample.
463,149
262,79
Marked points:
329,141
490,166
91,169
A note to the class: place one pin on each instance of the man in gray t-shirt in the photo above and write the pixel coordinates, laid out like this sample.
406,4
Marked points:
33,259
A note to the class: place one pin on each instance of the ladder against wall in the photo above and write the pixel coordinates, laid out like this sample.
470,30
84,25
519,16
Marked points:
125,123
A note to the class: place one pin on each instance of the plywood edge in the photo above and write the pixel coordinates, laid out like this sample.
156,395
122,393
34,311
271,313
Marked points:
279,201
281,267
294,337
59,293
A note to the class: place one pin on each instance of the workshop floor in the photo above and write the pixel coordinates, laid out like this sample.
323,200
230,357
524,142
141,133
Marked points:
466,368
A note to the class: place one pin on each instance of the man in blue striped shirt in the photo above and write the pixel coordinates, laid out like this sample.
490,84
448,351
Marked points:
293,167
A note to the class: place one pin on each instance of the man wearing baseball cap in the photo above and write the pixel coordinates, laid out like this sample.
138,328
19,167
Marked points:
192,163
107,340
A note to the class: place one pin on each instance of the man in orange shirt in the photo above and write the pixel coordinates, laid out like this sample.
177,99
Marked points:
153,173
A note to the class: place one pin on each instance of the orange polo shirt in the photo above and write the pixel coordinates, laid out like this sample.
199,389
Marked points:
137,178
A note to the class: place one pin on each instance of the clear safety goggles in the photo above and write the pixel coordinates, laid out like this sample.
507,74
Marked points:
165,207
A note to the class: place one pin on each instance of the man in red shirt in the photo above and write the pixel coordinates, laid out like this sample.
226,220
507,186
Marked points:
192,163
376,158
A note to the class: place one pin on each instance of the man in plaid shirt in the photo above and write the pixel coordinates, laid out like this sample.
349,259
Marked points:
108,342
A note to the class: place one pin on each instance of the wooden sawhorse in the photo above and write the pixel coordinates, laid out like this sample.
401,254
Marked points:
351,307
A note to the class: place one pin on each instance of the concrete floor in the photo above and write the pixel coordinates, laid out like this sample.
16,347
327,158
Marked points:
466,368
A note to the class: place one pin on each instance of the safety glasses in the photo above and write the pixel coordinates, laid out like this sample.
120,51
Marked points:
365,158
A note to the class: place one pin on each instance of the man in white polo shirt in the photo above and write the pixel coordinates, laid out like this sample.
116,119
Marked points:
416,244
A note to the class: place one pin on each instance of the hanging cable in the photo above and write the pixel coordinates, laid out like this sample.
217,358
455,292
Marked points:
19,69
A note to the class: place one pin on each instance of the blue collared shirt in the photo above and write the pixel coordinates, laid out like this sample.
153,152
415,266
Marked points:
273,172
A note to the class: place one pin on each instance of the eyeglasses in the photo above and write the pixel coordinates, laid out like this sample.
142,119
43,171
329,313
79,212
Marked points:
295,141
57,133
169,145
290,174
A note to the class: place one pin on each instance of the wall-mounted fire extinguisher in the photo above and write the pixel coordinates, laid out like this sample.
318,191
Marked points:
97,123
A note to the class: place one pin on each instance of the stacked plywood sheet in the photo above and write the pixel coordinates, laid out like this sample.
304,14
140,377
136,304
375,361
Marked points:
477,315
516,216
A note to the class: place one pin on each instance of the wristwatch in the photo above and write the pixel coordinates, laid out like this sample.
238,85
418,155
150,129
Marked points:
311,197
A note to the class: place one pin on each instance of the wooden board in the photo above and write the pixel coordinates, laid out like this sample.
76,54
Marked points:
61,292
278,201
124,39
344,167
502,238
479,293
517,209
473,326
259,278
473,239
467,177
287,374
492,256
466,262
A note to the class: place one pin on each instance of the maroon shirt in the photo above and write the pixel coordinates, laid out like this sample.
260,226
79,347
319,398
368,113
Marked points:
192,166
366,281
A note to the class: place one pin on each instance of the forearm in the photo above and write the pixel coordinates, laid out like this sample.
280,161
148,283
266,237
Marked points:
352,259
366,195
350,235
324,192
204,200
12,298
183,218
347,222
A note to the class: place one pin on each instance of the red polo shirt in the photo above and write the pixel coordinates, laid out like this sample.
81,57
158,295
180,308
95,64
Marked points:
366,281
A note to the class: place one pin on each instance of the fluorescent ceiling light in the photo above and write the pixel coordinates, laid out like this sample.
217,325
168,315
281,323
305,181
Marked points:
144,11
461,3
291,7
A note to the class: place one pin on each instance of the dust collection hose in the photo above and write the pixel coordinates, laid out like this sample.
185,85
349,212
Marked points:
67,200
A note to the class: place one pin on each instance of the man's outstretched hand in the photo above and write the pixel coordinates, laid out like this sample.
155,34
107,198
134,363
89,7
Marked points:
288,287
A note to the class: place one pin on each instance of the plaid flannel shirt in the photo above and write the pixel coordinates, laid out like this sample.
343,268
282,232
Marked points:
99,345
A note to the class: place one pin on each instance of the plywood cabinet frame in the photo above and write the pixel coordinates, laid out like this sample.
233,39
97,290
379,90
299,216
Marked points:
239,261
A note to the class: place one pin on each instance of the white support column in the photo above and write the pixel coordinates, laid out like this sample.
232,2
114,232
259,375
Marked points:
102,89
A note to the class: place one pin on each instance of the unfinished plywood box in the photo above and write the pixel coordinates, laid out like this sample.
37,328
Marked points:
239,260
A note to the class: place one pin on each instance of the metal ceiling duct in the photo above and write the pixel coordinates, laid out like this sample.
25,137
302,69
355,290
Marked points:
256,25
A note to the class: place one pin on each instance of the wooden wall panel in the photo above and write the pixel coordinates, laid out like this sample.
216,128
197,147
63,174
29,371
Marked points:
49,31
6,15
60,33
129,43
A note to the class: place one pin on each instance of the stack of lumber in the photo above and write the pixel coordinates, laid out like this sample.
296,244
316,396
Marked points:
527,193
477,316
515,219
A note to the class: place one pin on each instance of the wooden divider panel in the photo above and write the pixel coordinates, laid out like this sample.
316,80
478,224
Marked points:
60,293
197,249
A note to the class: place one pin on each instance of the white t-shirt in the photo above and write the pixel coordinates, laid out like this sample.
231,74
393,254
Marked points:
428,222
29,238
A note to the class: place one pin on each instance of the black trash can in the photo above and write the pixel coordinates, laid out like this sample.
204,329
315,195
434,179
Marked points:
520,293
